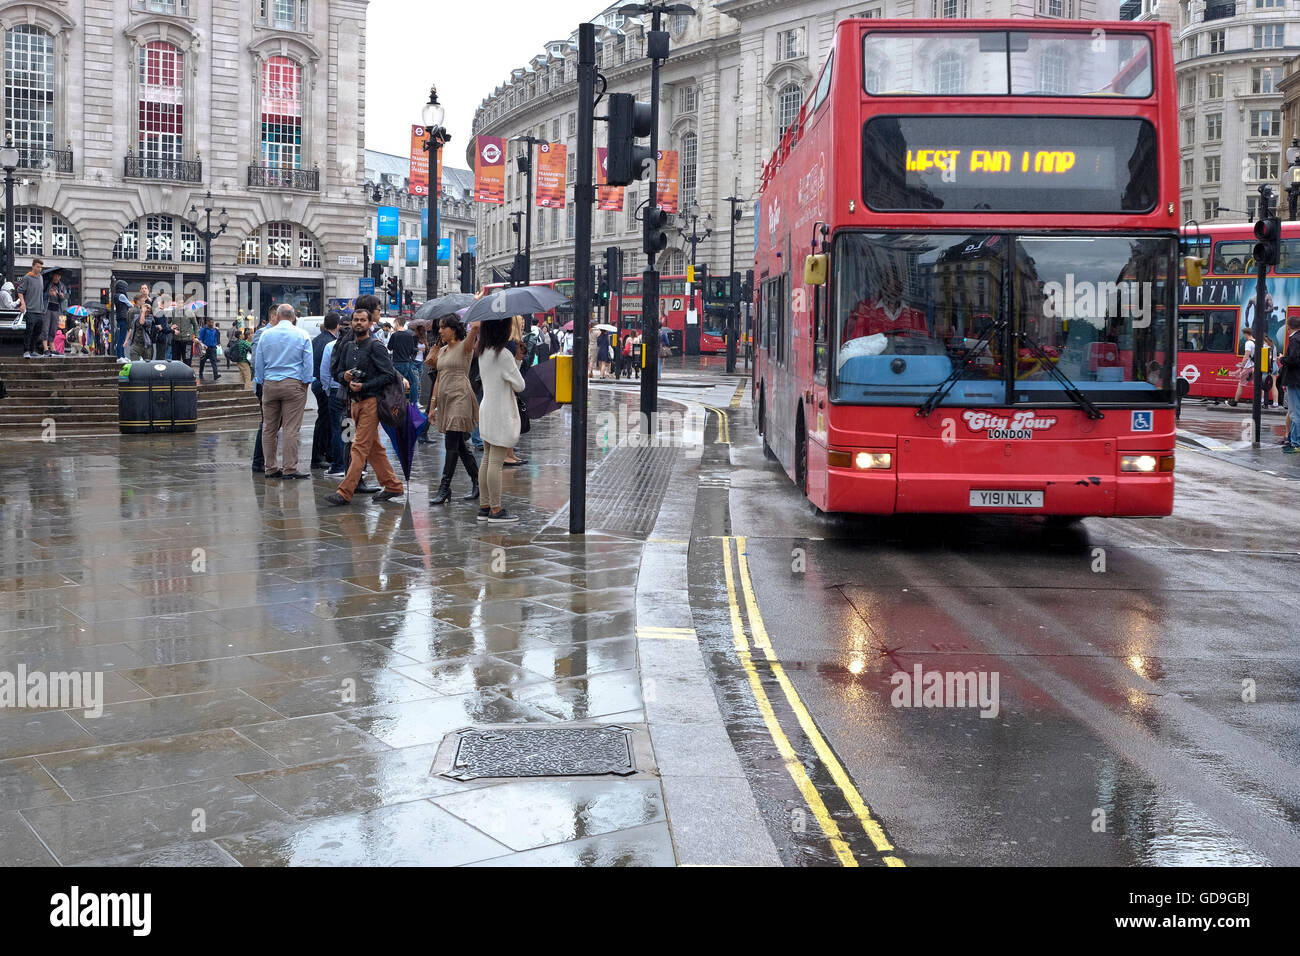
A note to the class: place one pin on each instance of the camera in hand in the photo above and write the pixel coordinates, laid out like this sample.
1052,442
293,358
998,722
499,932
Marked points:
358,376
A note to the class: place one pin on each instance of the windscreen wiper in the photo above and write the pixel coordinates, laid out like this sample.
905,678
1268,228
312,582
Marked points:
959,367
1071,390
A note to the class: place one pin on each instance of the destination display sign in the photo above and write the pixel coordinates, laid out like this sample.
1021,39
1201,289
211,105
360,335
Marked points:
1009,164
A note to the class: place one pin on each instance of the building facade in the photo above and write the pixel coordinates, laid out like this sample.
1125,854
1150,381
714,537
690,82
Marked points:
738,73
1231,55
127,113
1289,87
388,184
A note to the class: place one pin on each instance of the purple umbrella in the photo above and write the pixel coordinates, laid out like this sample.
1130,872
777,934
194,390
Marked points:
404,435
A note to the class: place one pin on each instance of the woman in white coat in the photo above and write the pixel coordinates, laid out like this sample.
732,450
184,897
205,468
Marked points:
498,413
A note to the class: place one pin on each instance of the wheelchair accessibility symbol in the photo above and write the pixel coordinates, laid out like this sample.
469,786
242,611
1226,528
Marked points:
1143,421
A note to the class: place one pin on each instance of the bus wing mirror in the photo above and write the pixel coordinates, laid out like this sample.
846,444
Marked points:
814,270
1193,267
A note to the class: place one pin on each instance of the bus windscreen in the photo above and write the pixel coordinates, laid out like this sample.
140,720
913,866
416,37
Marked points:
1009,164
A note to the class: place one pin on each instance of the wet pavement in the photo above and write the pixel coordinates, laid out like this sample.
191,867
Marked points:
278,676
283,682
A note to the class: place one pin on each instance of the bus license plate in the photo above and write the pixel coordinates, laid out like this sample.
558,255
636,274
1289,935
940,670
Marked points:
1006,499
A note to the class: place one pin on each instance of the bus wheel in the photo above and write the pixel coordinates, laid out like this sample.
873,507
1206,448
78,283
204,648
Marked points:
801,456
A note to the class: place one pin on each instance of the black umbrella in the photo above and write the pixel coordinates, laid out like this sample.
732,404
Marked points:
96,309
516,300
444,305
539,389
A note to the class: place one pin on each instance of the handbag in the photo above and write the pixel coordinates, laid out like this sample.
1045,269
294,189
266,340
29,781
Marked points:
524,423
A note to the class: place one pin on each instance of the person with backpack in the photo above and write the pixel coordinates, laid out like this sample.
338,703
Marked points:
1289,379
366,370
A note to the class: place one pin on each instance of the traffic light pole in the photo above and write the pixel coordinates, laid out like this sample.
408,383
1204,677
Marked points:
733,288
584,197
650,278
529,142
1261,321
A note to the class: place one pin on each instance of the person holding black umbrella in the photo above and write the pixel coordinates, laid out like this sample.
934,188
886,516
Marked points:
56,302
453,403
499,413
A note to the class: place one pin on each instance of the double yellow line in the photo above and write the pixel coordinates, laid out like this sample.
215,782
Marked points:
874,831
724,425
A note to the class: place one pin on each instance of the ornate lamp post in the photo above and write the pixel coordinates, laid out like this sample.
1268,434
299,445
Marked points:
9,160
437,138
207,234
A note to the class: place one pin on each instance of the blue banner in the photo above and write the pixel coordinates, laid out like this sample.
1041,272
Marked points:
366,286
388,231
758,206
412,252
472,246
424,223
381,253
444,249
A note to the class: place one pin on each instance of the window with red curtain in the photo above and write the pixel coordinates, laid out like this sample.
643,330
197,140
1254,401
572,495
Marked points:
161,120
281,113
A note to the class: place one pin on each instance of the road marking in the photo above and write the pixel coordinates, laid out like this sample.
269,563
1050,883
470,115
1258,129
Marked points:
667,633
740,390
724,425
793,765
869,824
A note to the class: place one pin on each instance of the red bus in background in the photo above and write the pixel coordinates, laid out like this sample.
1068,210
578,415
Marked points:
966,278
673,305
1212,316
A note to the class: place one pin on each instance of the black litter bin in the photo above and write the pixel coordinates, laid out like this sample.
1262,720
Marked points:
157,397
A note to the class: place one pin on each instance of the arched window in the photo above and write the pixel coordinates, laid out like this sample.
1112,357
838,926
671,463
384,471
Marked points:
789,99
161,120
281,113
33,225
949,74
676,264
29,90
286,246
166,239
1052,70
690,150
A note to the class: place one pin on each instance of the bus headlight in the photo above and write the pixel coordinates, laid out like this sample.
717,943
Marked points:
859,460
873,459
1146,464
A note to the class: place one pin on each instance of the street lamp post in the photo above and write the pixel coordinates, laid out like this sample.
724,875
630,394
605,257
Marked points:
207,234
9,160
526,167
691,334
733,285
1293,177
437,138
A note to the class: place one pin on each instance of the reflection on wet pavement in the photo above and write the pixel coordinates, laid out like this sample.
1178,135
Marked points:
278,675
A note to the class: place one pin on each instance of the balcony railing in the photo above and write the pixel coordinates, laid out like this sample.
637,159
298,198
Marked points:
173,170
39,157
275,177
1220,11
1130,10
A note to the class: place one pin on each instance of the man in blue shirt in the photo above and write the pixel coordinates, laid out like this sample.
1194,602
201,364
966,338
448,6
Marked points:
210,338
282,366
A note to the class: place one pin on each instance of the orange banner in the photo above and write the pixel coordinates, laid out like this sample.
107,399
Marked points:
607,197
489,169
418,180
667,179
550,175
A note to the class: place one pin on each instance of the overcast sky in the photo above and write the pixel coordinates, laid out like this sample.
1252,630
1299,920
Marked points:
464,47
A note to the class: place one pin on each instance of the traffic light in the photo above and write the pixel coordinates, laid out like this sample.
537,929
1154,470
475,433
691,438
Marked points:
747,288
628,122
613,268
1269,233
654,239
602,289
392,288
408,300
467,264
519,268
103,296
377,273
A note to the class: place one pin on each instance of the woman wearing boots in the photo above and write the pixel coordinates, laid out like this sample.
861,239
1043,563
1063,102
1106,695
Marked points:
453,406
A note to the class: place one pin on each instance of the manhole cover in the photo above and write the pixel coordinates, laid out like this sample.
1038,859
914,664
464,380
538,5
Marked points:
561,752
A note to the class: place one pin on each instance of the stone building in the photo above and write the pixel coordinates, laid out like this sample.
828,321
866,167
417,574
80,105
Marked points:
1289,87
738,73
126,113
1230,56
388,183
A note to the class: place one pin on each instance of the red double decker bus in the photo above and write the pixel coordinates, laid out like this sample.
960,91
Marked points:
674,302
1212,316
966,271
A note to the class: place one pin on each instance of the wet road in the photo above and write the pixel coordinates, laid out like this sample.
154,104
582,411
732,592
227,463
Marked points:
1140,677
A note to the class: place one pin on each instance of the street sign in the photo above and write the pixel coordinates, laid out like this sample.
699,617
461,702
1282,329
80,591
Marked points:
349,260
1191,373
366,286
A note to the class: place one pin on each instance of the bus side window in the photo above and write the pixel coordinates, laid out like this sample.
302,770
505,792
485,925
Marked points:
820,325
785,323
